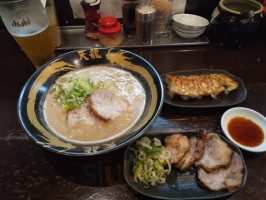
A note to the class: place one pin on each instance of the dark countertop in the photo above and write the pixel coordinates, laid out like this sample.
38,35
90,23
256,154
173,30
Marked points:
28,171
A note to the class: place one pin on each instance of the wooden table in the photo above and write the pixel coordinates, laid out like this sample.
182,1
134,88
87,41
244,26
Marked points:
28,171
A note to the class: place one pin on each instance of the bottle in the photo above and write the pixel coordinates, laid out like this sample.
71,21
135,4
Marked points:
145,23
92,15
110,32
129,22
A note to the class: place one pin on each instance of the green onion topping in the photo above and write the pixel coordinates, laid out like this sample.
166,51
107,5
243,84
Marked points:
72,92
149,162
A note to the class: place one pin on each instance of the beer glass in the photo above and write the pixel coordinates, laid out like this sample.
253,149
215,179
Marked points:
27,22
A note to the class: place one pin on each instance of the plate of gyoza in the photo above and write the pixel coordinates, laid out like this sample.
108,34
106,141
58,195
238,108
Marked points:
203,88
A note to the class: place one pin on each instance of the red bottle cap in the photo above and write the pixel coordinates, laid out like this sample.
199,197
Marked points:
109,26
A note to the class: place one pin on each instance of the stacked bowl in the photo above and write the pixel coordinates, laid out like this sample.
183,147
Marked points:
188,25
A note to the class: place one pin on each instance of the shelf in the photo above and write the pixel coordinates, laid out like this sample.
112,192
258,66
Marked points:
73,37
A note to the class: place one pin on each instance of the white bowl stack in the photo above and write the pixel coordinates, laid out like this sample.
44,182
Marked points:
188,25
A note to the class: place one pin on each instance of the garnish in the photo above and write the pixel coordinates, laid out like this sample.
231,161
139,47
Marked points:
72,92
149,161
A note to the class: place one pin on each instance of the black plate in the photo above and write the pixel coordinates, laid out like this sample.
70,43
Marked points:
235,97
178,185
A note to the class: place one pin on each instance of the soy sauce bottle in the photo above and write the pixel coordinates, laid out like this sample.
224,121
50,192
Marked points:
92,15
129,23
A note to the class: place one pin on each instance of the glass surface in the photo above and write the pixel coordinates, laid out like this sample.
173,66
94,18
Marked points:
27,22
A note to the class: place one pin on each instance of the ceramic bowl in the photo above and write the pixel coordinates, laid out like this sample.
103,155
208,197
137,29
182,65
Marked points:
188,33
188,25
31,101
190,22
199,29
254,116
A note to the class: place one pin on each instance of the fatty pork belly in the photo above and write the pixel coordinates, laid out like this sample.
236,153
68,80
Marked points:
195,152
216,154
197,86
102,105
184,151
229,178
176,146
106,105
81,115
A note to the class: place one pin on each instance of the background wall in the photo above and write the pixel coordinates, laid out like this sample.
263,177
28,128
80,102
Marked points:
200,7
65,15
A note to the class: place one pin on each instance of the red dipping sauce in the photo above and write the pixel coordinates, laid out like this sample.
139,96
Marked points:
245,131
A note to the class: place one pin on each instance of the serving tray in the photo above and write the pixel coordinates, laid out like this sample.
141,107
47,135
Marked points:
73,37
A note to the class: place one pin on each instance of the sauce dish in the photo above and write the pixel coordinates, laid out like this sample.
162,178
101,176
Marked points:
247,114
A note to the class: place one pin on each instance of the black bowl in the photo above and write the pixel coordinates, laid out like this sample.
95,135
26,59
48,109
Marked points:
31,100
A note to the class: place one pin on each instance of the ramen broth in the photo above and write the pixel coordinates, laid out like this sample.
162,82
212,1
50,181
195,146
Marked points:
90,128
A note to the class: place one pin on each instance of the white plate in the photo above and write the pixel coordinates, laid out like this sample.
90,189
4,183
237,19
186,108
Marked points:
253,115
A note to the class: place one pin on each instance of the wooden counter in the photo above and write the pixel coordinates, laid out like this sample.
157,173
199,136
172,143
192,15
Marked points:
28,171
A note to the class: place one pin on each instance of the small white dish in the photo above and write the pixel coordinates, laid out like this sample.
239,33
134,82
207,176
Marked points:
188,25
254,116
189,21
177,26
188,34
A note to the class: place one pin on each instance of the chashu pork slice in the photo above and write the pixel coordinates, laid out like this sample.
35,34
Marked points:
176,145
106,105
196,150
81,115
217,153
229,178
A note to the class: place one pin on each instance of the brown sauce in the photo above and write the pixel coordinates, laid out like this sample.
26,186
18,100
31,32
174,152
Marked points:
245,131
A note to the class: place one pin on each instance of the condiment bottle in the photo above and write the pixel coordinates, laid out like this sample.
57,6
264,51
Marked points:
110,32
145,23
129,22
92,15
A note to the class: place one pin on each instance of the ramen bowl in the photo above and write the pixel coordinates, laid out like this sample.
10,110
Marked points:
31,104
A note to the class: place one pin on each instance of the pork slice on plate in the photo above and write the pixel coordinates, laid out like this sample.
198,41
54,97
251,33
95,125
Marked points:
190,156
229,178
196,150
216,154
176,145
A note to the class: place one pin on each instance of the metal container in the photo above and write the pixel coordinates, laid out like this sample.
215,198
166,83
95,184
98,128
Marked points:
145,23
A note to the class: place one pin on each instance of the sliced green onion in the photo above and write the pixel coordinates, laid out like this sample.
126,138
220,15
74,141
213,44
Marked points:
73,91
148,163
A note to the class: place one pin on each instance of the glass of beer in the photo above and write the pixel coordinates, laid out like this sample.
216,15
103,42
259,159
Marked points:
27,22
